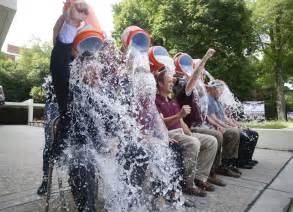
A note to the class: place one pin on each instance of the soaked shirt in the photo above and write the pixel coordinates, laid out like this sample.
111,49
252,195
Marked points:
215,107
168,107
194,118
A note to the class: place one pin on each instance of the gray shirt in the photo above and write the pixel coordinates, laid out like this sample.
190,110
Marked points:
215,107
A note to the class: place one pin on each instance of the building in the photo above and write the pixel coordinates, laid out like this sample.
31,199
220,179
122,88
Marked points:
13,52
7,12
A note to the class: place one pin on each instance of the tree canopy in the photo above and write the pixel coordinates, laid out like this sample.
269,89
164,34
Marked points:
192,26
253,39
19,77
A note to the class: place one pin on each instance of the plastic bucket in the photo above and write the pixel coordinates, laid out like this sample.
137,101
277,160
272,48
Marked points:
184,64
90,36
136,37
157,57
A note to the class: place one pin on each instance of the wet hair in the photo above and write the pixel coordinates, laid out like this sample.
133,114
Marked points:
160,75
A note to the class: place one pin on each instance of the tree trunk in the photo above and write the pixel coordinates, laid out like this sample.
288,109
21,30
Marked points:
278,69
280,98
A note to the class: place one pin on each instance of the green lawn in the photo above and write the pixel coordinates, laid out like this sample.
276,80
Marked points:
270,124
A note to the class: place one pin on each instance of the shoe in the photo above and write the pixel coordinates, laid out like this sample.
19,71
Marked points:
250,163
204,185
194,191
234,169
189,204
43,187
244,166
253,161
216,181
227,172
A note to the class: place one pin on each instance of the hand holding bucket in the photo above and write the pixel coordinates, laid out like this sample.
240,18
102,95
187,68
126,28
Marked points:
90,36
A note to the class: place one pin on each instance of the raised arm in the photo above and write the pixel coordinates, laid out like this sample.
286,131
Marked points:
198,71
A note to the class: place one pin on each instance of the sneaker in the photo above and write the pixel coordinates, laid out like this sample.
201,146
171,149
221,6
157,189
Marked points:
216,181
227,172
194,191
204,185
43,187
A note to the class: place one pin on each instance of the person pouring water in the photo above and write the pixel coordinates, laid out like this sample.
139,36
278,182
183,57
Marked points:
75,33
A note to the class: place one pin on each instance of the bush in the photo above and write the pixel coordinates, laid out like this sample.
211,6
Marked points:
38,94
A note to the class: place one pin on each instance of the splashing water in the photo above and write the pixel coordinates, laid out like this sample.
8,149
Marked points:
211,78
187,69
201,98
168,62
233,107
117,134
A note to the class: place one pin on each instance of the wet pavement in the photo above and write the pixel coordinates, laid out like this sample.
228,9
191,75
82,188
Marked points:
268,187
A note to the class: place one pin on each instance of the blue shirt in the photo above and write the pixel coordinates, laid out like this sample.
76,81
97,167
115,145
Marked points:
215,107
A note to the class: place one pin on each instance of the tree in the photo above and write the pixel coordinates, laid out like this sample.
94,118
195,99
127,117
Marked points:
274,26
19,77
193,26
13,80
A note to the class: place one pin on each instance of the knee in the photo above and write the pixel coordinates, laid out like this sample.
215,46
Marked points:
219,137
234,134
193,145
213,141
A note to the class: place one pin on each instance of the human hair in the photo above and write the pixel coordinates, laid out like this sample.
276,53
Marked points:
160,76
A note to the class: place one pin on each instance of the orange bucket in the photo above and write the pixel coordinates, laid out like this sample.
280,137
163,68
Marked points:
159,58
136,37
90,36
184,64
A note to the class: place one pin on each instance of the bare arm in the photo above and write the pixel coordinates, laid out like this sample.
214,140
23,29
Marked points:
170,121
198,71
185,128
230,122
218,122
57,28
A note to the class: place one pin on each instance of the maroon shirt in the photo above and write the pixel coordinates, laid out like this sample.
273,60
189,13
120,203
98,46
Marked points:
168,107
195,117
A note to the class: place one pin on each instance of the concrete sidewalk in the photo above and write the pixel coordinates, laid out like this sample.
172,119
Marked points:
267,188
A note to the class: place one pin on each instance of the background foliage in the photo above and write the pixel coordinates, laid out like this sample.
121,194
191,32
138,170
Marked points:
253,39
22,79
247,58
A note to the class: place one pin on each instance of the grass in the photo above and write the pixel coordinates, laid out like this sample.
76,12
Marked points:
270,124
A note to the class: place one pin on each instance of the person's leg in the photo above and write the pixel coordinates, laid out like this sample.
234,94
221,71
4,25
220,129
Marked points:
231,139
82,181
243,148
213,178
136,159
190,147
50,113
43,187
219,136
206,157
253,136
